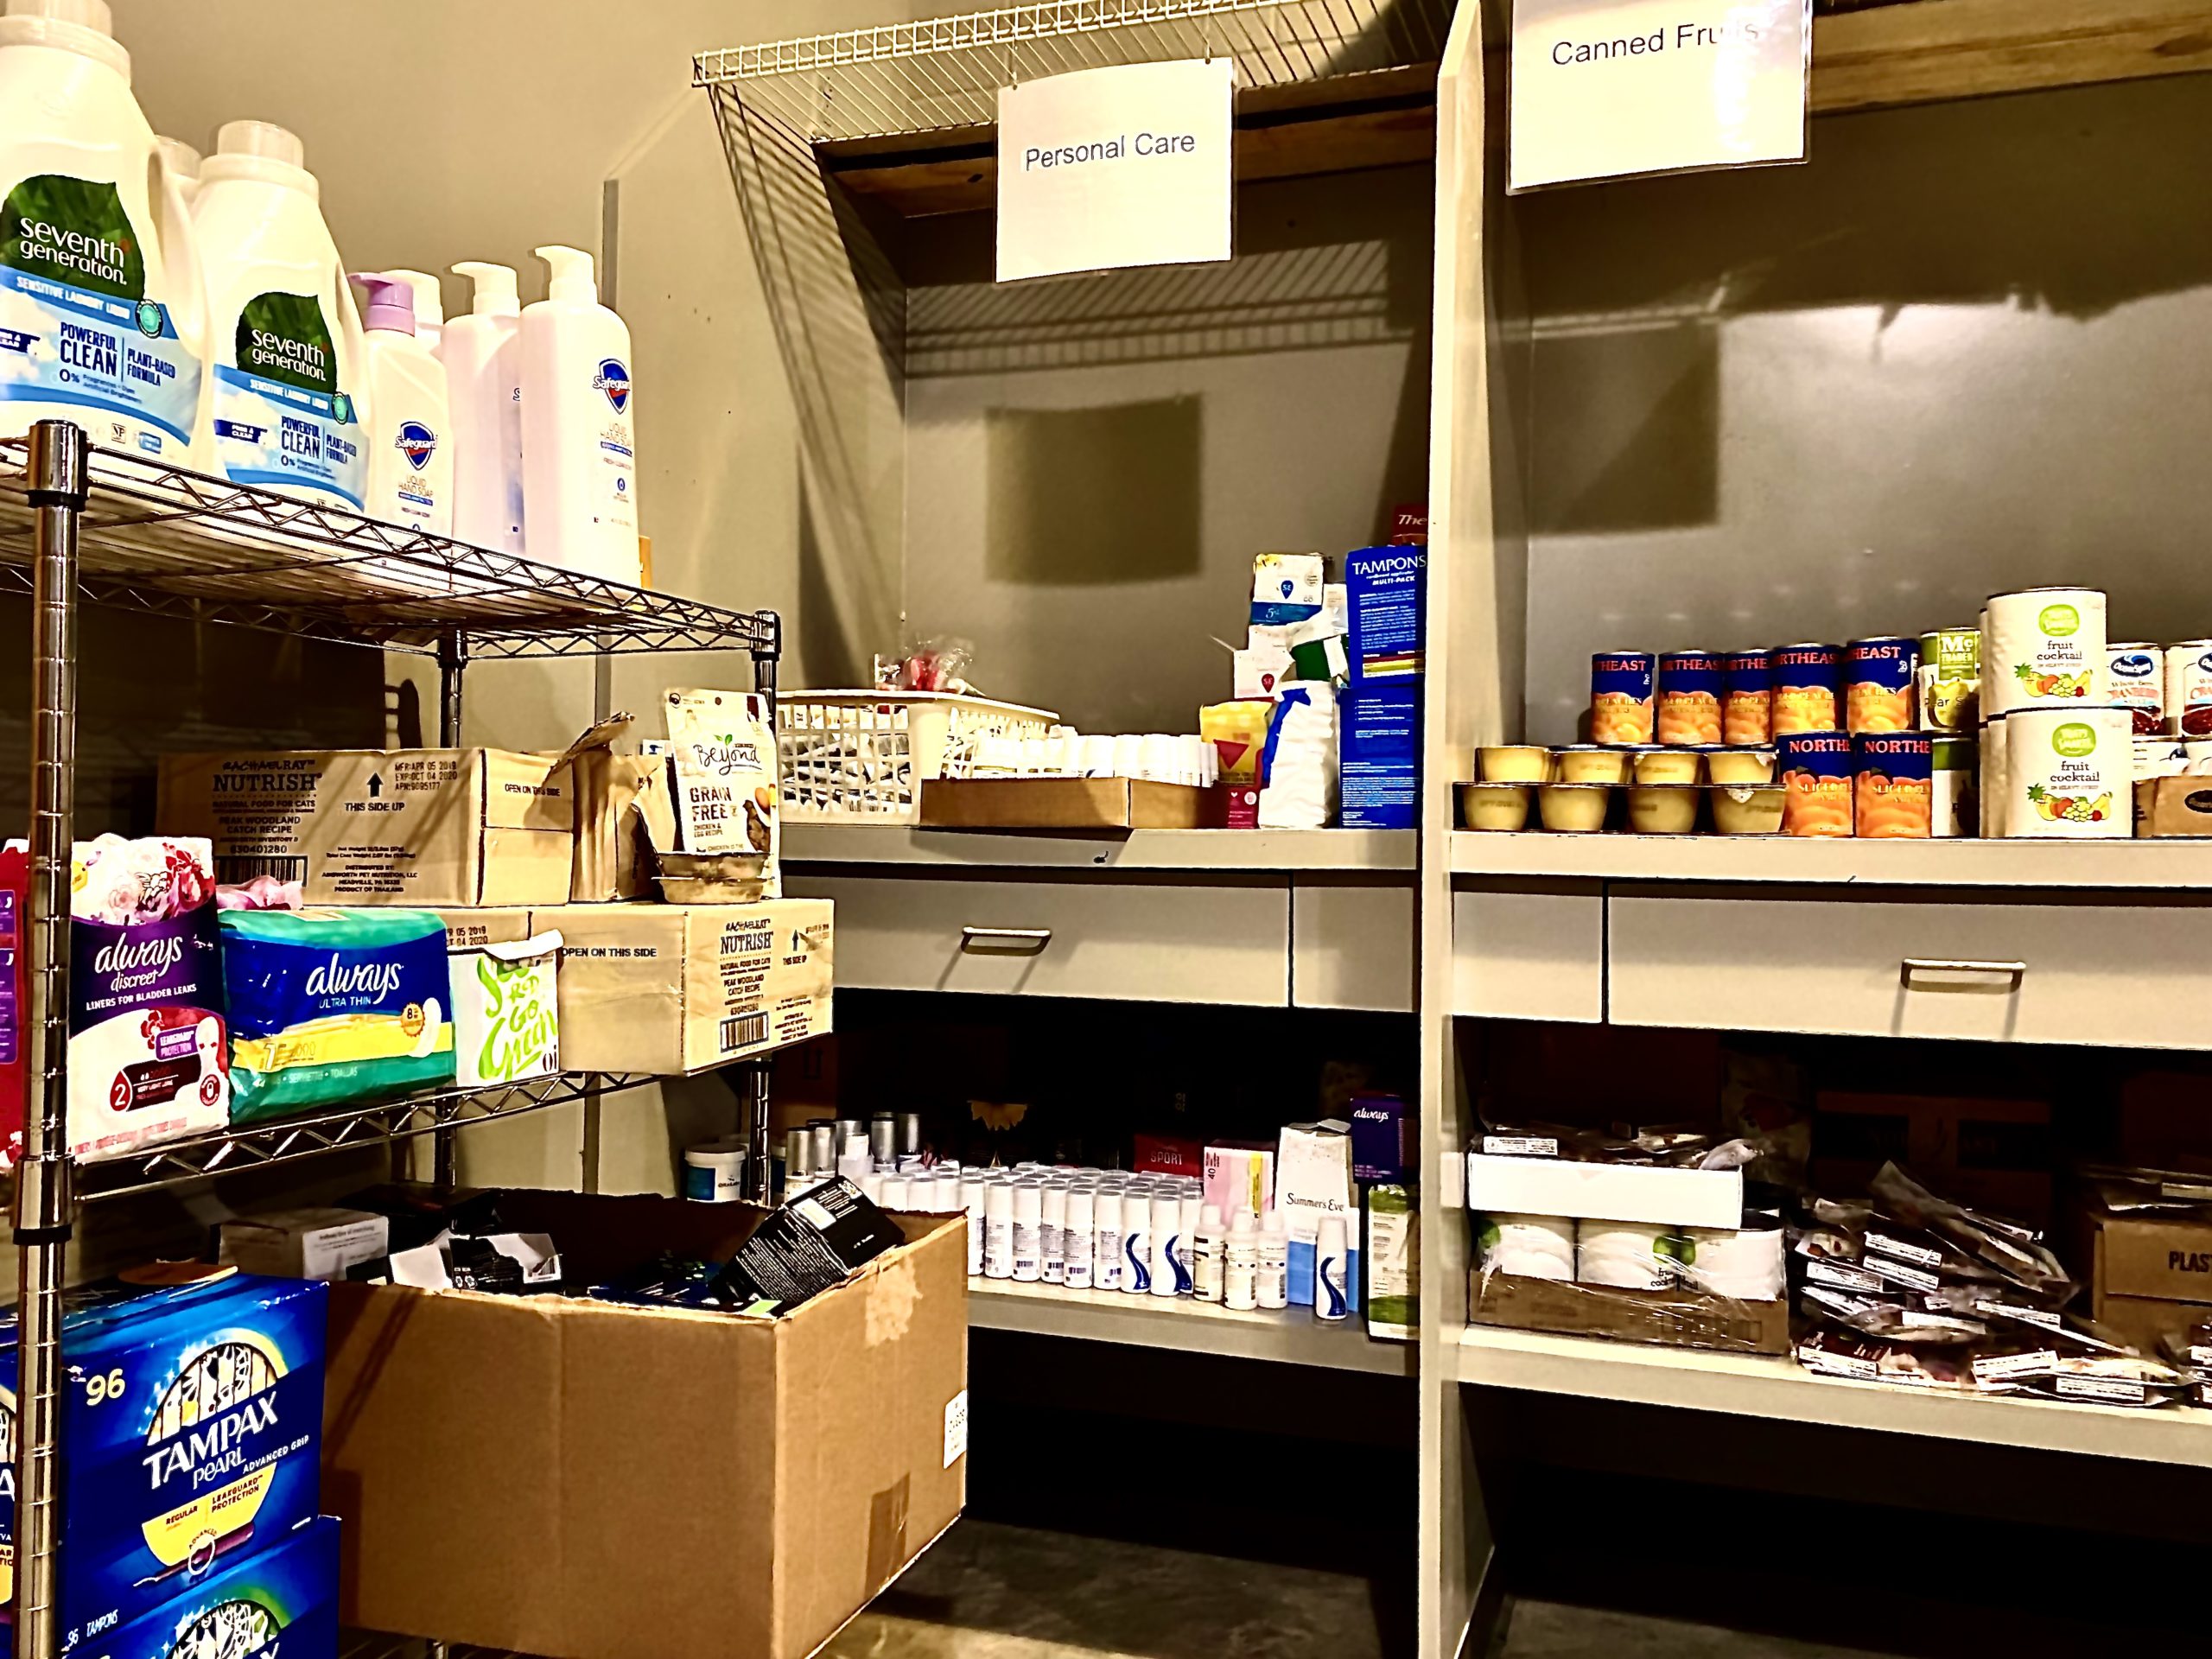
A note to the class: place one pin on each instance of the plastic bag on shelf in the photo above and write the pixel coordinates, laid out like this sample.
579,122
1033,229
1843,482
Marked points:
931,664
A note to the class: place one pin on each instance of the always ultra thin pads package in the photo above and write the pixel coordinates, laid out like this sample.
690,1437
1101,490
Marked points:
330,1006
193,1416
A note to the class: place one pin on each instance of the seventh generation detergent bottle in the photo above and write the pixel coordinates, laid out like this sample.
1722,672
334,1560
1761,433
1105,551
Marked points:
103,318
284,340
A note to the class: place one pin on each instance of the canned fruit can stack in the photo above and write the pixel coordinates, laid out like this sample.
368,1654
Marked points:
1950,679
2070,773
1816,772
2045,647
1893,786
1689,697
1808,679
1747,697
1880,676
1623,686
1954,801
2136,671
1996,791
2189,688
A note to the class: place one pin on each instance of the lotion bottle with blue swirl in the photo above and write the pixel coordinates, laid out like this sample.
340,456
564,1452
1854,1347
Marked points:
1331,1300
409,421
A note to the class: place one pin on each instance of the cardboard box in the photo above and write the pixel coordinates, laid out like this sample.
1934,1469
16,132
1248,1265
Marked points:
555,1475
1673,1319
1388,600
472,929
1985,1152
1632,1192
2174,807
309,1243
669,989
1313,1180
426,827
1066,804
2148,1275
1378,762
624,808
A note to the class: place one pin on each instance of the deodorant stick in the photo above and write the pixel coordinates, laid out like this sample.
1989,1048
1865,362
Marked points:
1055,1218
1329,1301
975,1195
998,1230
1136,1244
1106,1239
1029,1232
1078,1237
1166,1237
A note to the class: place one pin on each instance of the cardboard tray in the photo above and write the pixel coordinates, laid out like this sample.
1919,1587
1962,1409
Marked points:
559,1476
1649,1195
1672,1318
1069,804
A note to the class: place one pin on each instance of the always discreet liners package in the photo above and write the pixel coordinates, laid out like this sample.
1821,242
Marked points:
332,1006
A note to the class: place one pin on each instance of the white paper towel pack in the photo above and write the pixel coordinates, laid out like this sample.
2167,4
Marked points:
1528,1247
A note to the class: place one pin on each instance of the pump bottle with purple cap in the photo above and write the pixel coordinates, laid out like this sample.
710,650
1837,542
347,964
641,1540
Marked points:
410,429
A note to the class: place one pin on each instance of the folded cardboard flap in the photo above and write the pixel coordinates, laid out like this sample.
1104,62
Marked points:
559,1476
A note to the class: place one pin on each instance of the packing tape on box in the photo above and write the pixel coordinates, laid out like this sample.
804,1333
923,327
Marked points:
1529,1247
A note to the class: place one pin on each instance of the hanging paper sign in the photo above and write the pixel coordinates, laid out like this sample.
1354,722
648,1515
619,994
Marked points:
1605,88
1105,169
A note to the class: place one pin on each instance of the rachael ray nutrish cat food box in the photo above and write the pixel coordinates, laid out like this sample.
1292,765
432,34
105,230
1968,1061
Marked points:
193,1416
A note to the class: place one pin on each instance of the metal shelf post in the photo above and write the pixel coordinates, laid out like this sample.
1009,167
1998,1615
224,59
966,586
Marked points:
42,1202
453,661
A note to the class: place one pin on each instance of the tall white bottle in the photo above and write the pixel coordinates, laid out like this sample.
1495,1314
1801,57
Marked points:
103,313
578,445
430,306
482,352
410,431
290,411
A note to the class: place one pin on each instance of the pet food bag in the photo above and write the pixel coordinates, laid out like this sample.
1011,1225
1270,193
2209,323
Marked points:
147,1062
332,1008
727,795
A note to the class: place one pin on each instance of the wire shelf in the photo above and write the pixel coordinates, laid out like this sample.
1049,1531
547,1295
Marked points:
944,74
255,1145
160,540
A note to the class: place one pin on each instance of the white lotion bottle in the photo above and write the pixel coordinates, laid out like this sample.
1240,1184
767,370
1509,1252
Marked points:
1240,1265
1167,1235
1029,1232
974,1197
1190,1213
1080,1235
1272,1275
482,352
1331,1301
410,435
998,1232
103,307
1106,1237
578,439
1206,1251
1054,1215
290,409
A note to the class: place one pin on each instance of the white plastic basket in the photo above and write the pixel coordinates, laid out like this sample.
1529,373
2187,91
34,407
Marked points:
862,757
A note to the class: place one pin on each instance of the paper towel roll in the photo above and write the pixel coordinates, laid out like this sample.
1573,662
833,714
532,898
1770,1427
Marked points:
1528,1247
1747,1264
1624,1256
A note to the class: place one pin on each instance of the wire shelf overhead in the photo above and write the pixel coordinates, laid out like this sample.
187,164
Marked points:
944,74
160,540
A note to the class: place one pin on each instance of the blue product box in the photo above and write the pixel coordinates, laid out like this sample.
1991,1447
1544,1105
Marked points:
1378,761
193,1416
1379,1152
1387,593
279,1603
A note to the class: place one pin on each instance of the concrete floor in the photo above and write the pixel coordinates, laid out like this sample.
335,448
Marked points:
990,1590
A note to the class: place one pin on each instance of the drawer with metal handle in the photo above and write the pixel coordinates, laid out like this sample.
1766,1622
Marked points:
2041,966
1161,938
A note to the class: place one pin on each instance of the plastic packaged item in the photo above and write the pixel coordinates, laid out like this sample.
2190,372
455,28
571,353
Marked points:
102,313
2045,647
1749,809
1593,763
1495,806
1576,808
506,1011
579,433
1300,762
1529,1247
1663,809
331,1007
148,1056
290,408
728,800
1743,765
1241,1264
1881,684
1389,1258
1667,767
482,353
1518,763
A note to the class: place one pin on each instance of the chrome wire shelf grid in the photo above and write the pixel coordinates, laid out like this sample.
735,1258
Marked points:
945,73
160,540
253,1146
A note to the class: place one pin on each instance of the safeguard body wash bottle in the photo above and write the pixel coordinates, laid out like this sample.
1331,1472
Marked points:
410,435
579,443
285,338
103,316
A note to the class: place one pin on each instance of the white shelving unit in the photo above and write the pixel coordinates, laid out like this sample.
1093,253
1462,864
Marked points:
1255,851
1290,1337
2110,866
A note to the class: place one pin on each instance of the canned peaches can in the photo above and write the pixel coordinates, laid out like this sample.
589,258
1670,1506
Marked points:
1747,697
1624,687
1689,697
1816,774
1808,679
1893,776
1880,676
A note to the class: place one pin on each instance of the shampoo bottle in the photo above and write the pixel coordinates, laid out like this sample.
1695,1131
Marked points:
290,412
410,437
103,311
579,449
